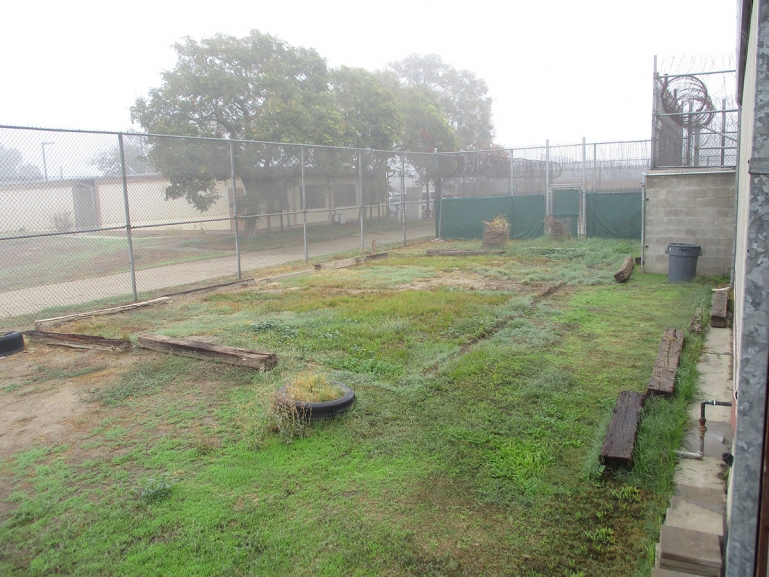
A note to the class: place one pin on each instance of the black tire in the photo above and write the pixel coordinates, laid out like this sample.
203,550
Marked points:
10,343
324,410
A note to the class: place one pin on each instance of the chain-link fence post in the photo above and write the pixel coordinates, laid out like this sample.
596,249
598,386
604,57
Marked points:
583,196
595,165
235,207
512,172
304,209
403,196
127,217
548,200
361,209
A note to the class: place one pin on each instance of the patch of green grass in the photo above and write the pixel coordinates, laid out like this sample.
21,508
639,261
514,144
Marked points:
469,450
147,378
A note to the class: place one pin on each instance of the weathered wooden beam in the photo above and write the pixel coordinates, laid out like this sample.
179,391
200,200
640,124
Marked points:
209,351
89,314
663,379
210,288
76,341
277,277
375,256
720,308
617,448
334,264
624,272
439,252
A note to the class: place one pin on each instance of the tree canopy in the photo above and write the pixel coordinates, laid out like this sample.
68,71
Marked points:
463,97
259,88
13,167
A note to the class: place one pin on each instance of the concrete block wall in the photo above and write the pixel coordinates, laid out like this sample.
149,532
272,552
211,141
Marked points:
695,207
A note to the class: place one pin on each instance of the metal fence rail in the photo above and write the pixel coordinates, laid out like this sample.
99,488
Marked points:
105,216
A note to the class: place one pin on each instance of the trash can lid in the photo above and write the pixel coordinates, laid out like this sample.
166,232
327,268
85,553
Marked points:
683,249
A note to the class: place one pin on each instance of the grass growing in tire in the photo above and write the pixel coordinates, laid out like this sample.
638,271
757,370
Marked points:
468,452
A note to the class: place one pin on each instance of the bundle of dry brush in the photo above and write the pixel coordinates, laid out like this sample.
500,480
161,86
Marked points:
496,233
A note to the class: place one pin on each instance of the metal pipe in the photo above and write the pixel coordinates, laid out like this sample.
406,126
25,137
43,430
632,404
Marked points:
304,210
644,200
403,195
361,210
235,207
698,73
45,164
701,452
512,172
127,217
583,204
723,129
548,202
696,113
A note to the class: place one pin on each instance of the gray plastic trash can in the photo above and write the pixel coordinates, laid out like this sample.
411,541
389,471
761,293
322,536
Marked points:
682,265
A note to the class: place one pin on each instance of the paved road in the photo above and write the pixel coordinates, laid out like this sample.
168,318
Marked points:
34,299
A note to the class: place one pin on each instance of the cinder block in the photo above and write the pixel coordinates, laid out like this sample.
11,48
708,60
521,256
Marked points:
692,551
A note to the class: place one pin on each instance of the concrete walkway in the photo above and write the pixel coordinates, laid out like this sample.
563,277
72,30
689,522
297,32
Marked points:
691,538
34,299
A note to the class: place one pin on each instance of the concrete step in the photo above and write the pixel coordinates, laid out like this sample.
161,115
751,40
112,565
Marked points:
657,572
688,515
688,551
710,497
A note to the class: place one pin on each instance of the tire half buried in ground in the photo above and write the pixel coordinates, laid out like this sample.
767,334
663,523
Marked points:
320,410
11,342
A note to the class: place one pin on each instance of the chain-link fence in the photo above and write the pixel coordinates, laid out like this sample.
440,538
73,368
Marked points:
114,217
695,114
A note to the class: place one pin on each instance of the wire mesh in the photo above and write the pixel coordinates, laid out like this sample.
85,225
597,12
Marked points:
696,119
109,217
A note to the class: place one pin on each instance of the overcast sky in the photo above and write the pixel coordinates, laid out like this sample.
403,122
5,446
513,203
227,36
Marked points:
557,69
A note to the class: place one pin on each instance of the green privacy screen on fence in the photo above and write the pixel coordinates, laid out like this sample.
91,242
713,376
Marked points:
609,215
614,215
463,217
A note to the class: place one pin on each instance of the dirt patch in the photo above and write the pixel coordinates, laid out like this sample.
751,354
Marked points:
469,281
44,393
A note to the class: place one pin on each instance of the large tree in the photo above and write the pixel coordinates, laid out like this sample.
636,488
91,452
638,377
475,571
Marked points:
109,163
462,96
252,88
14,169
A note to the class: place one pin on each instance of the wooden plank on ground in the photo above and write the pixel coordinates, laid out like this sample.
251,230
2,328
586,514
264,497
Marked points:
617,449
334,264
439,252
720,307
244,282
624,272
662,381
375,256
76,341
109,311
278,277
209,351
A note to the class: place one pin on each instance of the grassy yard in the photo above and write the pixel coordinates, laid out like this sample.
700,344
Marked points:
483,385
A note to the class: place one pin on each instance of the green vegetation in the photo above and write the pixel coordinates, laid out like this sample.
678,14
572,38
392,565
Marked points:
471,449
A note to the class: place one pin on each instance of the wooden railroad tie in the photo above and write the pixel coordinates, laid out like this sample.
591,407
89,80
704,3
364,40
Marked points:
662,381
617,449
440,252
720,307
208,351
624,272
76,341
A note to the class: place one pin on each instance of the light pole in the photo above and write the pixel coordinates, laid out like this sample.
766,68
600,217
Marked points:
45,166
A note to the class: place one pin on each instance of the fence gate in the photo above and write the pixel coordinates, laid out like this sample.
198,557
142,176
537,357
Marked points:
566,208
